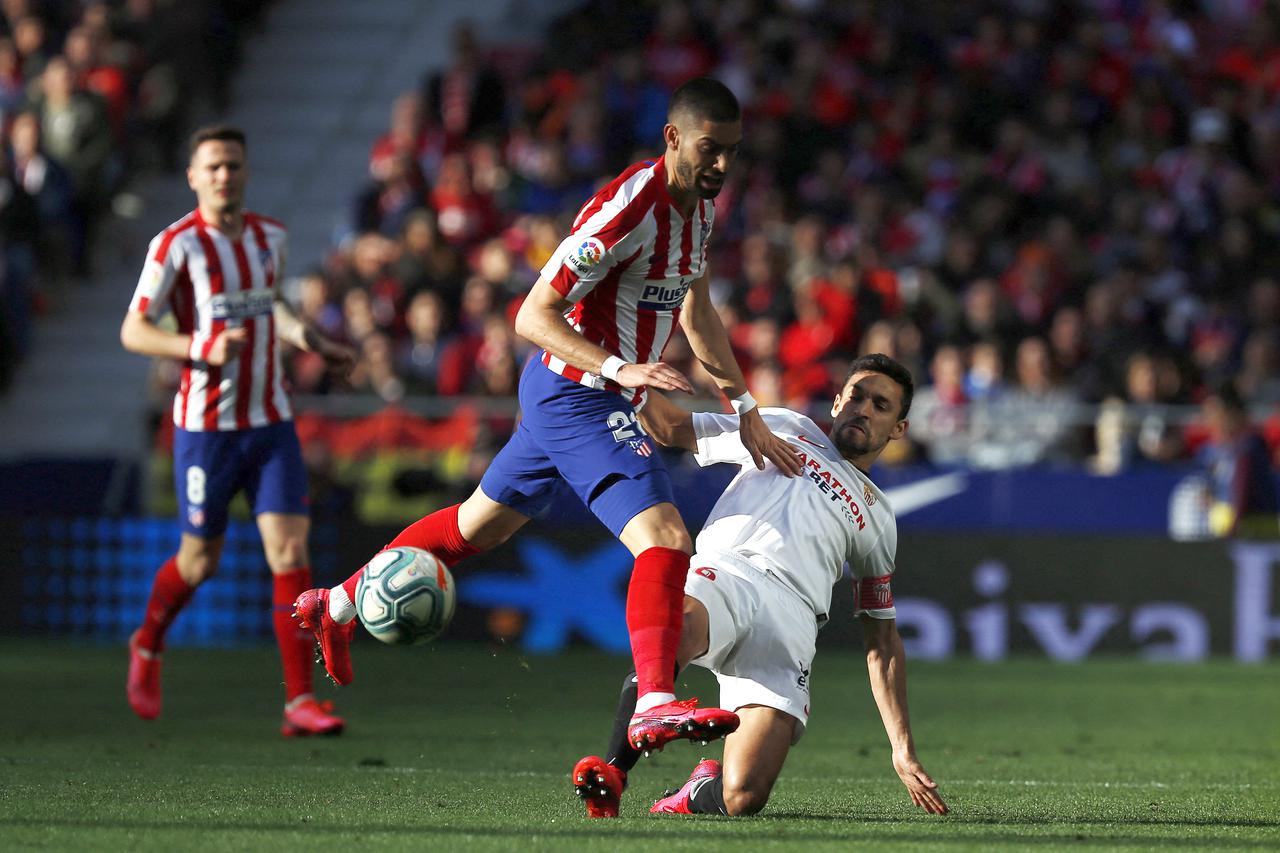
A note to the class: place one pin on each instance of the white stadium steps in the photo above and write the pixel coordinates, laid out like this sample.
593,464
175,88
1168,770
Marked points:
313,92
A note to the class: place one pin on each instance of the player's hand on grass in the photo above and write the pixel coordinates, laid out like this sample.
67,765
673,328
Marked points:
226,346
656,375
923,790
761,443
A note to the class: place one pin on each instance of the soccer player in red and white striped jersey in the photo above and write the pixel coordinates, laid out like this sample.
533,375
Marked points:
603,309
216,271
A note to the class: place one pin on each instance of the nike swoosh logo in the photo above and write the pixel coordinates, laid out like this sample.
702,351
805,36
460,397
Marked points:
923,493
811,443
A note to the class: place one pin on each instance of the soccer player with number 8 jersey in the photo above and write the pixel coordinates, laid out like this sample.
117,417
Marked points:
634,264
216,271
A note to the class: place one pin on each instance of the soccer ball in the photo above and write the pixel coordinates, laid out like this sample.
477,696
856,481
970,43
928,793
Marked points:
405,596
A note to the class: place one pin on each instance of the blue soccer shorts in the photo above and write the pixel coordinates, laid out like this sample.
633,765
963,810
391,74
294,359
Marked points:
577,440
210,467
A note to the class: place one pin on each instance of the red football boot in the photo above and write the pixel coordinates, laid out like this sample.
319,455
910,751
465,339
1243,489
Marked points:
677,802
657,727
311,609
143,685
600,785
305,716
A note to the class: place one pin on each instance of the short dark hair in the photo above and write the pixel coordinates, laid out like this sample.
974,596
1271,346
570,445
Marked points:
704,98
215,133
878,362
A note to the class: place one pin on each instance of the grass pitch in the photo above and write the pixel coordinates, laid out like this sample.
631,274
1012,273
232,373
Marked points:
460,747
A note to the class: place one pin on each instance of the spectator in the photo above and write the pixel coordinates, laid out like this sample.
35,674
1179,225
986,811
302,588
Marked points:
1035,421
427,262
77,134
49,185
386,205
376,372
467,98
940,413
410,135
19,228
423,351
1243,490
463,215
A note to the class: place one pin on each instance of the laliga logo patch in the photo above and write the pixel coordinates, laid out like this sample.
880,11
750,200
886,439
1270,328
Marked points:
195,515
589,253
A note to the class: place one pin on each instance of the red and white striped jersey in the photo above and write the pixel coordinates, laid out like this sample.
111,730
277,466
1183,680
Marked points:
212,283
627,265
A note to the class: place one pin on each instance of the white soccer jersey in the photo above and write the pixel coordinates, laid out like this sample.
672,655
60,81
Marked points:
213,283
627,265
801,529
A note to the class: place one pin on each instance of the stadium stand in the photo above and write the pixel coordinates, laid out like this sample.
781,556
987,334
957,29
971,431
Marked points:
1062,216
91,94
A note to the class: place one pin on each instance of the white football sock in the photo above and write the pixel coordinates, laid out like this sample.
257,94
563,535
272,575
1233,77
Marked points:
652,699
341,610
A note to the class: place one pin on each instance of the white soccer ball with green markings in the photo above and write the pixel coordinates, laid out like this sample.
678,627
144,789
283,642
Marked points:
405,596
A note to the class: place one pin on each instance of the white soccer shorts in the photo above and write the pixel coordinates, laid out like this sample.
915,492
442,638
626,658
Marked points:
762,638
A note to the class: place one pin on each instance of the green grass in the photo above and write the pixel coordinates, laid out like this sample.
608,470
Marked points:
457,747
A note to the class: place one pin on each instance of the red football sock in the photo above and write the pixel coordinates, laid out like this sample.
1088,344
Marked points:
437,533
294,641
169,594
655,607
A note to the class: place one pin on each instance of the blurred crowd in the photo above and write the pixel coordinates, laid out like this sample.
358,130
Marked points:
90,93
1061,215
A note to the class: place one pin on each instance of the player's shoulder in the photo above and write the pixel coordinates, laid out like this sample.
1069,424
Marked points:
876,499
269,224
784,417
635,185
175,232
180,226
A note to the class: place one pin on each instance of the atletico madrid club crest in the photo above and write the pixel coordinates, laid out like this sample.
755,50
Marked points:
640,446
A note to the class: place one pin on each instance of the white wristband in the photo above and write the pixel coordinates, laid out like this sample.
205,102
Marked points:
742,405
611,366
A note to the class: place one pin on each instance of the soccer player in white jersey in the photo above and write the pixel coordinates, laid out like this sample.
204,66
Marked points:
760,588
216,270
603,309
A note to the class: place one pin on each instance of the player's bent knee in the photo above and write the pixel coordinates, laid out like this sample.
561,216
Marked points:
195,569
287,555
740,802
677,540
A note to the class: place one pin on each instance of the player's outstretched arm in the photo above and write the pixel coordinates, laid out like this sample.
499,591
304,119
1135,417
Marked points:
670,425
710,343
541,322
887,669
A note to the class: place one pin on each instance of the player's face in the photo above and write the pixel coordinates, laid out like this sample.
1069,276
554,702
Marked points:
866,416
218,175
704,152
